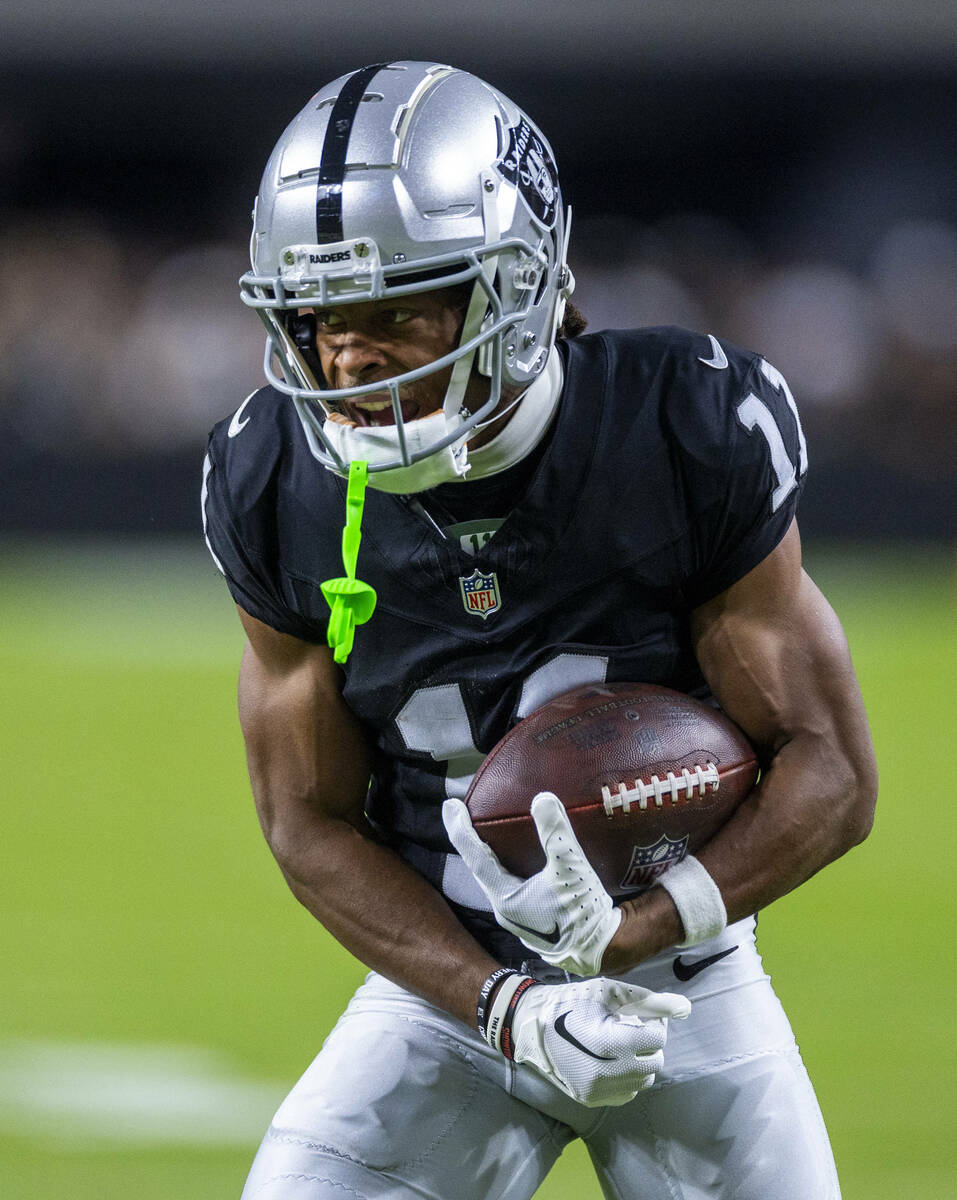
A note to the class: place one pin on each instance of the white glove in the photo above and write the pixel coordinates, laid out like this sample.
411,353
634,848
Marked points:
563,913
600,1040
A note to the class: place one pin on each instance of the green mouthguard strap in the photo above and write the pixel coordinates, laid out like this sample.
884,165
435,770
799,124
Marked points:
352,601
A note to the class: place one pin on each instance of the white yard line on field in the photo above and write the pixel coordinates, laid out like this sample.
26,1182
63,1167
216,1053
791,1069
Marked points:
94,1093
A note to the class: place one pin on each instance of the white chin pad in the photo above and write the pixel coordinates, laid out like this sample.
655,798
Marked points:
379,444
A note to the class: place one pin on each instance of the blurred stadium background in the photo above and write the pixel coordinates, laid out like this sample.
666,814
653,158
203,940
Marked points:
780,175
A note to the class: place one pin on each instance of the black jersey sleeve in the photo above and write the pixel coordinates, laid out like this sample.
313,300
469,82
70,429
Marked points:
744,457
241,479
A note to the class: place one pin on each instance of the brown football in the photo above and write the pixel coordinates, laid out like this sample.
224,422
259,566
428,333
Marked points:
645,773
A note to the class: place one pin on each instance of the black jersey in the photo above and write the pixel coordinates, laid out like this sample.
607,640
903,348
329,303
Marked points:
673,467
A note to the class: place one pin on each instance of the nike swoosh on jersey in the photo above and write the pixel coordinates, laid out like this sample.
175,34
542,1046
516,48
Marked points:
718,360
551,937
562,1031
688,970
236,425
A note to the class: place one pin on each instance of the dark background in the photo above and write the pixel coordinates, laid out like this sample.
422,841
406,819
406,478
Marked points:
787,182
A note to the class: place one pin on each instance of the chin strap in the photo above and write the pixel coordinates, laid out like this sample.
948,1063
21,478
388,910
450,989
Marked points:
352,601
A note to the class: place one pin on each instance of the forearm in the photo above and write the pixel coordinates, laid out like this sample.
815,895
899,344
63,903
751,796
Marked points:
793,824
386,914
802,816
798,699
782,670
309,766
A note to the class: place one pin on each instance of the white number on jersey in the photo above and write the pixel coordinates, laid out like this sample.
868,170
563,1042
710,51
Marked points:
754,413
434,720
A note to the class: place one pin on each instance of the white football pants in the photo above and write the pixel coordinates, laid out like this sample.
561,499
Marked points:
404,1101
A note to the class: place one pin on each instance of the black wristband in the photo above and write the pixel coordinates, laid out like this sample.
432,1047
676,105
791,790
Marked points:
508,1048
485,995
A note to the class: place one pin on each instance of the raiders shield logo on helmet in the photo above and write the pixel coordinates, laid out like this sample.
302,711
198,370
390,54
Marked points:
529,166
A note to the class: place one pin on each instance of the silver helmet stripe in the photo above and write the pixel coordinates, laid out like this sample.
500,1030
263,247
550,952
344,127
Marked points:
335,146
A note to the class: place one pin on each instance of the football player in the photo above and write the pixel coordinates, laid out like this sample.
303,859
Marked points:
450,505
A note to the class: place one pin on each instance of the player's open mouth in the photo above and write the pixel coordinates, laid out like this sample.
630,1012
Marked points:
375,412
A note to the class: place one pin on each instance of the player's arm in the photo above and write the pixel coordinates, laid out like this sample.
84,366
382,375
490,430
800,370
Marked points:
309,765
775,656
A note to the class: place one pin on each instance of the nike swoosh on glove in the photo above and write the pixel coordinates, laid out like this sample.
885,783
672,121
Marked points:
600,1040
563,913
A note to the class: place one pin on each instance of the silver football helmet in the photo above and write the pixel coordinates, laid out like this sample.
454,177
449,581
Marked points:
405,177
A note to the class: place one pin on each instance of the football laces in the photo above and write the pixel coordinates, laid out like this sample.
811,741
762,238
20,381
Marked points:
673,787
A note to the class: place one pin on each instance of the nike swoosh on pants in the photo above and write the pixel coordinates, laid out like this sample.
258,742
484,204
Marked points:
688,970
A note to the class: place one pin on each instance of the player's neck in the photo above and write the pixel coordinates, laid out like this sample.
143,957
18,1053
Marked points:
529,423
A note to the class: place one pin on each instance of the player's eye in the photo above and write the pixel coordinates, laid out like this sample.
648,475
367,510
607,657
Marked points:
328,319
397,316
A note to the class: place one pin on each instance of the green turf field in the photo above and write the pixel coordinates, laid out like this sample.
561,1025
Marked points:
160,988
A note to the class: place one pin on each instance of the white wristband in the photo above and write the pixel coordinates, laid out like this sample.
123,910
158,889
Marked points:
697,899
500,1002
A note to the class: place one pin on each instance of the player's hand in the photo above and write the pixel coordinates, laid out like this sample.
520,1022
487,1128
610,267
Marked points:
601,1041
563,913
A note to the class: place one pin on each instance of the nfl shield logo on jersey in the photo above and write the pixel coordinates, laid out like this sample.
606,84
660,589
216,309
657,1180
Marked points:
648,862
480,594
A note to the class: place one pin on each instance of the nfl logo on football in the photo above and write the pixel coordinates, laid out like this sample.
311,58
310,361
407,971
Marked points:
648,862
480,594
